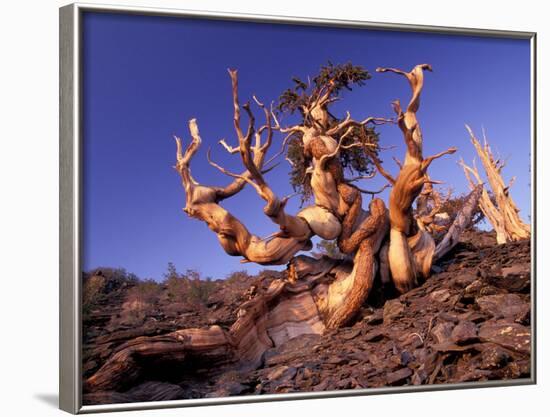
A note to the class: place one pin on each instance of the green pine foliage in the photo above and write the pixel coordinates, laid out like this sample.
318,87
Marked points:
355,161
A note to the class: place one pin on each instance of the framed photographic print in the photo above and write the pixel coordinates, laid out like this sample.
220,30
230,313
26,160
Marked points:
261,208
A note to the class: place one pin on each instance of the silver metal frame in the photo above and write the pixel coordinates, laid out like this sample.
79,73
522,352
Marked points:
70,216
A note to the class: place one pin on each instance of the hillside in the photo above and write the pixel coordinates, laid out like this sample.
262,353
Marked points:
470,321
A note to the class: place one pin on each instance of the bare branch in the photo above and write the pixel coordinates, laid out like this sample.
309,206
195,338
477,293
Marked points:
228,148
291,129
426,162
373,193
430,181
291,226
416,81
378,164
237,112
468,171
289,161
283,147
348,121
395,70
326,157
268,126
243,177
184,159
362,177
340,126
398,162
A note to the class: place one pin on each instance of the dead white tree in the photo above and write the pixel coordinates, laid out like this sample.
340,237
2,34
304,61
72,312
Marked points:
501,211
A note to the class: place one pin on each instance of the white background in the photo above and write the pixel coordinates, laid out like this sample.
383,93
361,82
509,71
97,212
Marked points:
29,207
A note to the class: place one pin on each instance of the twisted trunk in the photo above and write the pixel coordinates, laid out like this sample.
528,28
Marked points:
360,281
410,251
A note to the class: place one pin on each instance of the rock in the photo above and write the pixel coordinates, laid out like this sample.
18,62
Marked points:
406,358
156,391
473,375
292,349
411,340
512,283
473,316
393,309
490,290
105,397
322,386
464,332
440,296
448,317
436,269
335,360
474,287
282,374
398,377
351,334
228,389
359,356
493,356
463,280
442,332
517,269
419,377
345,383
375,318
449,346
374,335
503,305
509,335
428,362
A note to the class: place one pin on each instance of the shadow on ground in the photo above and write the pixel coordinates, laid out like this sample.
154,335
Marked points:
50,399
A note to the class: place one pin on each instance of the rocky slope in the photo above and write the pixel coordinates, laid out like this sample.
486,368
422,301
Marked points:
470,321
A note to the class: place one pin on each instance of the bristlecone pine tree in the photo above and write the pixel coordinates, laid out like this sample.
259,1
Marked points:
501,211
394,243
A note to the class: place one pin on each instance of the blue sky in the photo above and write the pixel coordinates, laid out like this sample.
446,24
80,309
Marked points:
145,77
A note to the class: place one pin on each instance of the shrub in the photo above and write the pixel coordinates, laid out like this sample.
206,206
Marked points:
176,285
200,290
141,301
237,276
147,292
92,293
188,287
